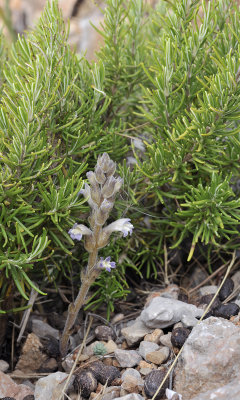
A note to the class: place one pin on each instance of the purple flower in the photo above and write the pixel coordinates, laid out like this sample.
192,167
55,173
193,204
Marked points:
106,264
122,225
78,230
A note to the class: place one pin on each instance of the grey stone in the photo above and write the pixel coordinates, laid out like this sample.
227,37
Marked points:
42,329
147,347
127,358
210,357
50,387
230,391
111,393
165,340
132,381
3,366
209,289
131,396
135,332
163,312
132,372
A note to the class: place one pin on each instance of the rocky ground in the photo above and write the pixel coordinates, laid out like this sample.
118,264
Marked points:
129,357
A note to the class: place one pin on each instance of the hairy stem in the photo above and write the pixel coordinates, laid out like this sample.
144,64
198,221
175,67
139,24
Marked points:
88,279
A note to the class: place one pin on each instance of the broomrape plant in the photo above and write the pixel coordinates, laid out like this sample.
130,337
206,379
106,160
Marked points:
100,195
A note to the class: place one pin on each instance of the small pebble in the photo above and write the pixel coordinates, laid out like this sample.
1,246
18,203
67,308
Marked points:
178,325
208,289
85,382
104,333
226,289
147,347
117,318
166,340
3,366
159,357
179,336
127,358
111,393
225,310
153,381
132,381
154,336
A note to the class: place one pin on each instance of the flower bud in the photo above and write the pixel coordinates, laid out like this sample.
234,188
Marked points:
111,168
100,177
101,214
95,194
87,195
111,186
92,178
103,162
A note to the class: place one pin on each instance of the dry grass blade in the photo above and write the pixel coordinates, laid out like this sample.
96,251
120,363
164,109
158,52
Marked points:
205,312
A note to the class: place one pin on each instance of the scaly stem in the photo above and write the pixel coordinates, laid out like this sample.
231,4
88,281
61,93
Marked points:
88,279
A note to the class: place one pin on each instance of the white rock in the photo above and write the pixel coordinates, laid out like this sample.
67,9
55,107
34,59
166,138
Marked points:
51,386
127,358
163,312
209,289
147,347
135,332
132,372
210,358
170,395
3,366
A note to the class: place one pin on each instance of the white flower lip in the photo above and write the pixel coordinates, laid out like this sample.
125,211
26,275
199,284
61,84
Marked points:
121,225
78,230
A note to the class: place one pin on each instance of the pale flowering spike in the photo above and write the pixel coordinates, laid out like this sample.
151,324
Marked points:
91,177
103,162
112,186
111,168
86,192
106,264
100,176
121,225
78,230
